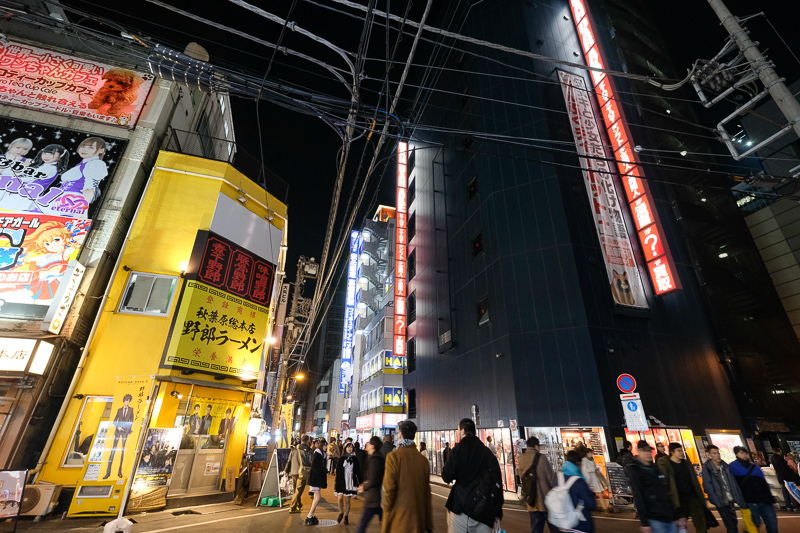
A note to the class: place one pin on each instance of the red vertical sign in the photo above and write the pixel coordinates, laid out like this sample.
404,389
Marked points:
401,252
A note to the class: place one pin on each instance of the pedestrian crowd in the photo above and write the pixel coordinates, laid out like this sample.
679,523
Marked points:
393,478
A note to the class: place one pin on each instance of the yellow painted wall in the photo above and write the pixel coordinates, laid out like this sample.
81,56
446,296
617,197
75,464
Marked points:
178,203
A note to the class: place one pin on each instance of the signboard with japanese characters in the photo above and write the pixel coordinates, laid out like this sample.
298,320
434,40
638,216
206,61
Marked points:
54,171
58,310
624,279
35,252
52,82
401,252
348,337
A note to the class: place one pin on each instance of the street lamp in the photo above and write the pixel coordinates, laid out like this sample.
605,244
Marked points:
299,376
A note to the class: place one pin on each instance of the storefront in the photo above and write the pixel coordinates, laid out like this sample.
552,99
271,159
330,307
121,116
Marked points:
692,446
376,424
554,443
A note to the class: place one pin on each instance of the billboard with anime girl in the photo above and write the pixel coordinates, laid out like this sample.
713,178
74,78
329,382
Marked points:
54,171
35,251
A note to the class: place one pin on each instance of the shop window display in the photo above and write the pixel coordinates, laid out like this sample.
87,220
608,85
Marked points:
88,429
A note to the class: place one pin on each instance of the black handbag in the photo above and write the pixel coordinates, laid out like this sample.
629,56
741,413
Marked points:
711,520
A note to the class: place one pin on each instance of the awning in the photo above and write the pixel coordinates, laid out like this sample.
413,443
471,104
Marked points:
210,384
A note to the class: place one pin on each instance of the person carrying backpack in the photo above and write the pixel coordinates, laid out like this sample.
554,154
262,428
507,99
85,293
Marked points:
570,502
476,500
299,466
536,474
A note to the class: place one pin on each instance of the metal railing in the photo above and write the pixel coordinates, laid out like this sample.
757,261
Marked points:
193,143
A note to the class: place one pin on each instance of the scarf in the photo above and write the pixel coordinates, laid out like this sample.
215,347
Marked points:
744,462
570,469
404,442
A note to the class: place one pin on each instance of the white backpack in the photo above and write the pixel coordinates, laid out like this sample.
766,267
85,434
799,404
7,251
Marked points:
560,511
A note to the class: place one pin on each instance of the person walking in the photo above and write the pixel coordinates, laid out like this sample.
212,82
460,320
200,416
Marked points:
490,445
625,455
651,497
722,489
318,479
660,451
784,473
579,492
299,467
334,454
472,465
371,487
407,505
755,490
445,453
387,446
542,473
684,489
361,455
423,449
597,484
348,477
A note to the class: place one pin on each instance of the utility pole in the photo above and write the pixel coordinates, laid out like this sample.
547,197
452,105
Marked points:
761,67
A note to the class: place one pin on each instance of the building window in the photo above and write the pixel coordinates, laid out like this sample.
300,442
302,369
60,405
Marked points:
482,307
412,191
477,245
472,188
412,265
411,354
411,308
148,294
411,398
411,227
205,137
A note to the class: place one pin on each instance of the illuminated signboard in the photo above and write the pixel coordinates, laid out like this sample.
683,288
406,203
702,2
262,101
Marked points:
623,275
353,269
401,252
640,200
393,396
64,297
52,82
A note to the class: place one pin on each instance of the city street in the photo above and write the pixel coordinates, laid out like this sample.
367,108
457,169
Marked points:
230,518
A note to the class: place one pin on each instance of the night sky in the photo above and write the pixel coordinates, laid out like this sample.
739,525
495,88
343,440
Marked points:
302,149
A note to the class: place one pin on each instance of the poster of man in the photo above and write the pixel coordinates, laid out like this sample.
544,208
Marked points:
158,456
285,436
226,425
195,422
12,485
123,426
129,408
207,420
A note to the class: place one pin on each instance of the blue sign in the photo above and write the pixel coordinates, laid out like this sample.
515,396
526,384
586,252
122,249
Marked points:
353,271
632,406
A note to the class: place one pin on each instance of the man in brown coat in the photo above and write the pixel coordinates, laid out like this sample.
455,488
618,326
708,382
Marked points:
406,486
544,482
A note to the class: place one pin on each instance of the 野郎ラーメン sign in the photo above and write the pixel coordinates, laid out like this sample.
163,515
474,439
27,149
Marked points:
54,171
623,274
217,332
35,252
52,82
353,272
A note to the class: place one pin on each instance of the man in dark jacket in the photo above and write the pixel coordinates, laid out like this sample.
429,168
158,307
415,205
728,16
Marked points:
722,489
684,489
299,466
651,493
470,460
784,473
754,490
625,456
371,488
387,446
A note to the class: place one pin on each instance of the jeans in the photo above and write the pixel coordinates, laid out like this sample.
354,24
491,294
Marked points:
461,523
663,527
538,520
728,515
367,515
765,511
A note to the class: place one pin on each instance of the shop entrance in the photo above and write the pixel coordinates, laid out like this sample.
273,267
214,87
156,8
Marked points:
198,465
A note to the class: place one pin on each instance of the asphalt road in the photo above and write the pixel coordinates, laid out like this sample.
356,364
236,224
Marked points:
228,518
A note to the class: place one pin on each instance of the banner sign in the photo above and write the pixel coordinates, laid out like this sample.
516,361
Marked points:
623,274
401,252
284,436
392,361
52,82
54,171
393,396
154,471
217,333
35,253
353,272
211,416
63,300
640,199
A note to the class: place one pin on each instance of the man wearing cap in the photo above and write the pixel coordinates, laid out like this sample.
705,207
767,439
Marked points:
407,503
755,490
651,497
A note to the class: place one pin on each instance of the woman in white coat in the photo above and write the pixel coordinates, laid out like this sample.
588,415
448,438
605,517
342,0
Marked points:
594,479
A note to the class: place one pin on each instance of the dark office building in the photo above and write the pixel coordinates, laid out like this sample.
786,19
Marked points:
518,321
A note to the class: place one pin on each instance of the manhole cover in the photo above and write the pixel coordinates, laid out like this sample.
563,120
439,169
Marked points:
327,523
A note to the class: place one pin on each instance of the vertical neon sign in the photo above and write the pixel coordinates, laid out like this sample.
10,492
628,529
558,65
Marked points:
401,252
640,199
353,269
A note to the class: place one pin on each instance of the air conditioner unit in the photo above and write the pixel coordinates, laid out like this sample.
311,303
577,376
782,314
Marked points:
39,500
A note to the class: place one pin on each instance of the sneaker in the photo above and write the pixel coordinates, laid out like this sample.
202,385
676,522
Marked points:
312,521
294,511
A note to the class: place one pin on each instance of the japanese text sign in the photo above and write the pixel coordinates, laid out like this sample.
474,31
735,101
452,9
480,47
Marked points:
401,253
217,332
353,272
52,82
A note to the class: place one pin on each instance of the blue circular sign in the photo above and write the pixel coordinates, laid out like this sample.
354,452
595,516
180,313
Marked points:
626,383
632,407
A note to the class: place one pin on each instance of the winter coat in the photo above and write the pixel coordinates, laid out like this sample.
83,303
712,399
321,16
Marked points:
374,480
469,459
319,471
715,491
544,476
666,466
589,469
445,454
340,483
299,457
752,482
782,469
386,447
581,493
407,502
650,493
624,457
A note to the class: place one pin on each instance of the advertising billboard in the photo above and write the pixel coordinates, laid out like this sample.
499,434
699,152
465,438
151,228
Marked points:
353,271
52,82
54,171
401,252
35,252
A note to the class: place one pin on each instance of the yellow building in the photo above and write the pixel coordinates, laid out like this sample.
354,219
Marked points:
183,330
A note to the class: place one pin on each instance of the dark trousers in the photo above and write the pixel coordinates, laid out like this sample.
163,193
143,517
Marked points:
367,515
334,463
791,503
538,520
728,515
117,438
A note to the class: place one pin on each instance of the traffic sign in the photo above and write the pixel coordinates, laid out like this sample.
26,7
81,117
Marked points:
626,383
635,418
